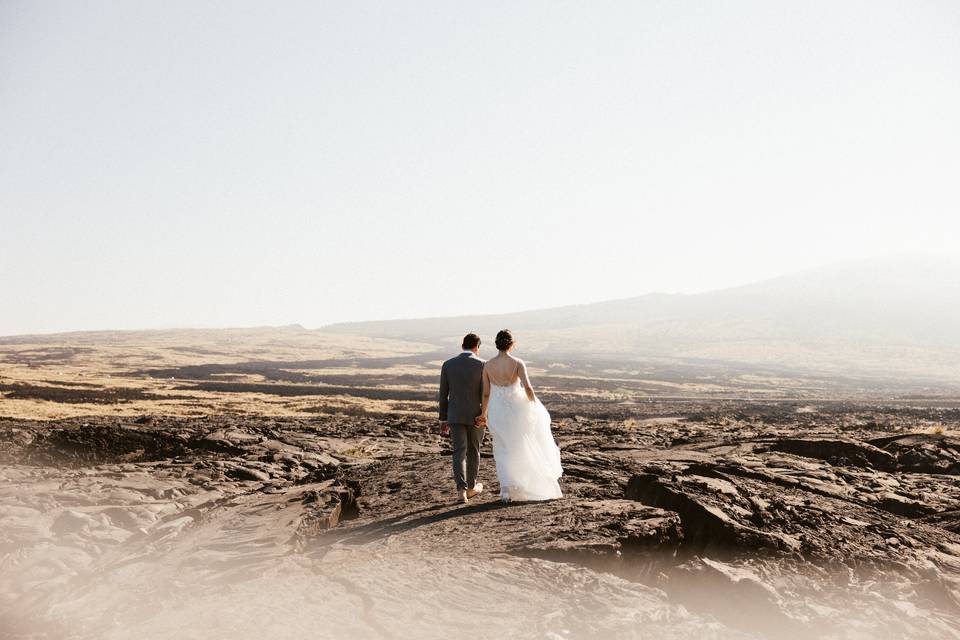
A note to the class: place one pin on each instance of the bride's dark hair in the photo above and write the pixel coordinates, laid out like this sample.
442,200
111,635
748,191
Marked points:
504,340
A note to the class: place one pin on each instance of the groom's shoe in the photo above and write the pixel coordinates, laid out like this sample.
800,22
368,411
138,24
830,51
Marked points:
462,496
477,490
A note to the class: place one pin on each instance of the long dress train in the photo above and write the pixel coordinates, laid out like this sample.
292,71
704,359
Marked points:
526,456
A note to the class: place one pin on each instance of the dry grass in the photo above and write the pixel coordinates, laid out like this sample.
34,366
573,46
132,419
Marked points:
294,372
121,361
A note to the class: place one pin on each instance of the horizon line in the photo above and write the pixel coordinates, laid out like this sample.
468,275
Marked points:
320,328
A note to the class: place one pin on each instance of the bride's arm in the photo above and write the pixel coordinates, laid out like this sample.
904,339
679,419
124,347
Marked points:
525,381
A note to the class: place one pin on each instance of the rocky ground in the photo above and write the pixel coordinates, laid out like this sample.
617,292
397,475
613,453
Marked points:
769,520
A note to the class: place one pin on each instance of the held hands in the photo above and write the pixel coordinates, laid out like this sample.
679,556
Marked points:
479,421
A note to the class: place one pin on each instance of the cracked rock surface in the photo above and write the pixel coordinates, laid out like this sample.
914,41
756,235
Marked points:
731,520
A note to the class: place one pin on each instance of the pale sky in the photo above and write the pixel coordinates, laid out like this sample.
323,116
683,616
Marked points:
244,163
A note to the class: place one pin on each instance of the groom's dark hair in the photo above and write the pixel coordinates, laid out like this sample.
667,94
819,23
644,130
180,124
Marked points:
471,341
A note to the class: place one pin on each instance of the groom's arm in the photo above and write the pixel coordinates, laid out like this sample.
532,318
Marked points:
444,399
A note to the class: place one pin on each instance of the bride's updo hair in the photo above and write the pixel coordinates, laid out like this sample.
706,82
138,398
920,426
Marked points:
504,340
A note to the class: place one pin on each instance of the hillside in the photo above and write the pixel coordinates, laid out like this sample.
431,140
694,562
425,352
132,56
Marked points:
897,317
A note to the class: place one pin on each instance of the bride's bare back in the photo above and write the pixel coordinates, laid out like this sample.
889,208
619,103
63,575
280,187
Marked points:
504,370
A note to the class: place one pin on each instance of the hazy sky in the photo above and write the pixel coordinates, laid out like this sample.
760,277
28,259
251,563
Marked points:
238,163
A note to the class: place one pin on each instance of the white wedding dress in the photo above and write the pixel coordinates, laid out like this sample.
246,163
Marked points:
527,458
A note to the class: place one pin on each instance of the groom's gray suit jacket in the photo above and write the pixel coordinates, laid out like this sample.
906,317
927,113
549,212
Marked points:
461,389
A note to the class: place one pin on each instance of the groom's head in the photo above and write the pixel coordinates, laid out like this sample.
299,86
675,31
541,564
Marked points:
471,342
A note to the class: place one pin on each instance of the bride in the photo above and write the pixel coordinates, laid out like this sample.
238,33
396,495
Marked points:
527,458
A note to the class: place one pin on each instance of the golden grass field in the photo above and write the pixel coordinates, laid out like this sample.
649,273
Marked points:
291,371
113,373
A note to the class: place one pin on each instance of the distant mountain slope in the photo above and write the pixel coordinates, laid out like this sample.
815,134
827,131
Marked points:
896,316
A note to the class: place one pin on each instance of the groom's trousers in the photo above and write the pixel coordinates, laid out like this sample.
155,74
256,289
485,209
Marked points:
466,440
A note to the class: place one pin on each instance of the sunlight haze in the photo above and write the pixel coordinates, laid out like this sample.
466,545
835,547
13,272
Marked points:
237,164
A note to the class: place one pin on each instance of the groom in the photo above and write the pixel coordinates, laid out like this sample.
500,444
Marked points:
461,394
